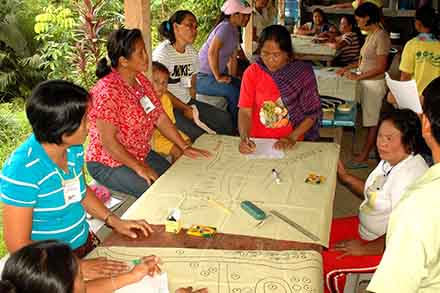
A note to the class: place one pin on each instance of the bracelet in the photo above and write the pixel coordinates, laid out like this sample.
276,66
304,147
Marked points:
106,218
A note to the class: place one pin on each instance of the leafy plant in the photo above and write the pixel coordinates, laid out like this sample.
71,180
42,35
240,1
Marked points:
19,62
54,28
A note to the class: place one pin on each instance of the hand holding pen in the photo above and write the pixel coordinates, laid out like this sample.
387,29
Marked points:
246,146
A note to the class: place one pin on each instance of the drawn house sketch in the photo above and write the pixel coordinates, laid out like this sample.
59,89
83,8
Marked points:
228,271
229,178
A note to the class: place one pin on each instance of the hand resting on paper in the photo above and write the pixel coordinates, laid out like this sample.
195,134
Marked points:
285,143
148,266
101,267
190,290
247,146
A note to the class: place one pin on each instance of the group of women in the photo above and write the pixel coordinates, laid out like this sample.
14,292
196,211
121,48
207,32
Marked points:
42,184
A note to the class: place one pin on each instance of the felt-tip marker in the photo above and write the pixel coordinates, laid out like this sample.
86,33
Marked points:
276,176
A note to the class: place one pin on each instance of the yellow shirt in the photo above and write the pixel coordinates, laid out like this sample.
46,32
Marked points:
421,59
160,143
411,262
378,3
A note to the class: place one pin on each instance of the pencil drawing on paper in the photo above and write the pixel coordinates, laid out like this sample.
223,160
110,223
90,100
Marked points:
226,271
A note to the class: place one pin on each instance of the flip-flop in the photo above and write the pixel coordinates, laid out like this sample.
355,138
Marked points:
356,165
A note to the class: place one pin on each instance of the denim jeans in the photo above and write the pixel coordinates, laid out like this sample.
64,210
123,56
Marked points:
208,85
124,179
218,120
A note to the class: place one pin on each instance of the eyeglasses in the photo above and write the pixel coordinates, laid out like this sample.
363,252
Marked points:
190,25
274,56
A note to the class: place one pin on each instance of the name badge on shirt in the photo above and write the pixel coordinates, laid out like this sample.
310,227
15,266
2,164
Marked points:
72,190
147,104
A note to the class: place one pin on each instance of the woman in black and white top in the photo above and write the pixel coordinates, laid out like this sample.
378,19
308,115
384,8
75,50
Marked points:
181,59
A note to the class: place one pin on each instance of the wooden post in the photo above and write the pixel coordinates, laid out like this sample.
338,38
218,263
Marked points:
282,12
138,15
248,34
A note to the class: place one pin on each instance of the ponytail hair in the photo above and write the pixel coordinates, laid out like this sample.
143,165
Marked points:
120,43
166,28
220,18
41,267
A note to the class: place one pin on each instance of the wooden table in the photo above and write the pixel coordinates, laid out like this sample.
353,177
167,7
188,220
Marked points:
305,49
220,241
334,128
332,85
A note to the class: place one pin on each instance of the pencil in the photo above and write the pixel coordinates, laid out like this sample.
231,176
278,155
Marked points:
220,205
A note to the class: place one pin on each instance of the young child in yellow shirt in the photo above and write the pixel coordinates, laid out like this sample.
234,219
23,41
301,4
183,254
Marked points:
160,143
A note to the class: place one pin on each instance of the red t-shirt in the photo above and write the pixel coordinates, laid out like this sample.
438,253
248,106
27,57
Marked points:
257,87
115,102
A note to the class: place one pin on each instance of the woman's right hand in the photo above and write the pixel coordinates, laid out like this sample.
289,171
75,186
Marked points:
147,173
341,71
149,266
224,79
190,290
247,146
101,267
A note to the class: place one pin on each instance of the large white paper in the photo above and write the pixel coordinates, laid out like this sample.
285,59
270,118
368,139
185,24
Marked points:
156,284
265,149
405,93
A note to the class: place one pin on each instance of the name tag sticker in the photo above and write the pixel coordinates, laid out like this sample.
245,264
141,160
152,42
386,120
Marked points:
72,190
147,104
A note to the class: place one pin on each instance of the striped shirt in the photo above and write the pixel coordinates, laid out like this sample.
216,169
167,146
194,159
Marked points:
31,179
350,53
182,66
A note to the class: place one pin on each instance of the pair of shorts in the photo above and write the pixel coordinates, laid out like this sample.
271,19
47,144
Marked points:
372,92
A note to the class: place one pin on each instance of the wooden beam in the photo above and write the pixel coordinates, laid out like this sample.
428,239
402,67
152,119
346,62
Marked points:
248,34
281,12
138,15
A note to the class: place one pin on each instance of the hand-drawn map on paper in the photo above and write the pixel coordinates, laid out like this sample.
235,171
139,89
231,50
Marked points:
209,191
231,271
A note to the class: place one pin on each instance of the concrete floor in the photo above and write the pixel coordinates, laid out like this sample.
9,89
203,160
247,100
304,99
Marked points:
346,203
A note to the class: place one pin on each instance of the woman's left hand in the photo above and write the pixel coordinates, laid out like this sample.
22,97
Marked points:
285,143
129,227
352,76
350,247
194,153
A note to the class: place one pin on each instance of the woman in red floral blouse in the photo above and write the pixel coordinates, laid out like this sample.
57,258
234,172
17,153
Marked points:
123,115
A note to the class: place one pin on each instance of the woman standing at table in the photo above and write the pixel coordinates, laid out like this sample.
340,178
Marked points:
219,51
357,243
318,25
123,115
279,96
371,74
182,61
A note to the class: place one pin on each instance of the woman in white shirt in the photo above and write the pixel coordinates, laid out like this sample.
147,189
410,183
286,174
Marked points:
357,243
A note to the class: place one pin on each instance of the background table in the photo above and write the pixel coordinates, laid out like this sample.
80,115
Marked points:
332,85
334,128
305,49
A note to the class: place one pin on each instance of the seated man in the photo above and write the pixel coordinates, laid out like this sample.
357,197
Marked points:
411,259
